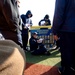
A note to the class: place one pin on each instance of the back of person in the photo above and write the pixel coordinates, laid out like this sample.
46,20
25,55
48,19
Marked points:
68,19
5,15
64,30
12,58
9,19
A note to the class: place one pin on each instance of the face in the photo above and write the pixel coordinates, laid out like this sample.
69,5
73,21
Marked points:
35,36
46,19
18,3
29,15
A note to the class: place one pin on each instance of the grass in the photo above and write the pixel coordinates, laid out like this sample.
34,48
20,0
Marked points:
52,60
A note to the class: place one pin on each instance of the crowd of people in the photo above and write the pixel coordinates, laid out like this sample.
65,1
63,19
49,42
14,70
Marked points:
15,37
26,23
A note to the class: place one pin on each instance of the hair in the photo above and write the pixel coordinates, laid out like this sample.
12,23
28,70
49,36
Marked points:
46,16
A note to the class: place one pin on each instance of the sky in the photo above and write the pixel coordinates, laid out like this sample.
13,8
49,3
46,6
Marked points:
39,9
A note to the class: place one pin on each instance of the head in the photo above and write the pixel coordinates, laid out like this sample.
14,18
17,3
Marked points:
18,3
34,34
8,63
29,14
46,17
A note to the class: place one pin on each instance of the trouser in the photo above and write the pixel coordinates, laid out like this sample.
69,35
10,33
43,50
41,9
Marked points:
67,49
58,43
39,51
25,40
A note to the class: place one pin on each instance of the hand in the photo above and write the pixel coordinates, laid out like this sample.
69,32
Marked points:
39,41
28,25
25,27
55,37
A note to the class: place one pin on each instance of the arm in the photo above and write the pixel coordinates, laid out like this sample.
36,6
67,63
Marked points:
11,15
33,42
31,22
58,16
23,21
39,23
49,22
24,24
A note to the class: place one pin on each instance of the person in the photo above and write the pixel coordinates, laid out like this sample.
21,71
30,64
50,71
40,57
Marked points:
27,22
37,46
12,58
18,3
64,26
45,22
9,20
57,44
20,26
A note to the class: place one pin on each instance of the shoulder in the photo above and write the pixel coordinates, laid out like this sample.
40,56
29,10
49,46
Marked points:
22,15
42,20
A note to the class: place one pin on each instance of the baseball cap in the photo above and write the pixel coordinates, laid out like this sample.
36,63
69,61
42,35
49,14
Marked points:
35,33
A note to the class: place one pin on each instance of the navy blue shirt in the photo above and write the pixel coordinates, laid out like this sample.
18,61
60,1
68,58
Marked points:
64,16
48,22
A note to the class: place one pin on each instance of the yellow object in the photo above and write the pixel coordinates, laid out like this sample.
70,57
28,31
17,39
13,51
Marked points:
38,27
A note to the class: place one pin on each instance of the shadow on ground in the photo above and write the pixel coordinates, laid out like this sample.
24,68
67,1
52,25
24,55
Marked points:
35,69
52,60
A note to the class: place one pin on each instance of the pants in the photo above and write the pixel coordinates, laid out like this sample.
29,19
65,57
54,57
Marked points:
40,50
58,43
25,40
67,49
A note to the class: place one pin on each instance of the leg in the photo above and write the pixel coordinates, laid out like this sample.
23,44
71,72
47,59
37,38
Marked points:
25,40
67,41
